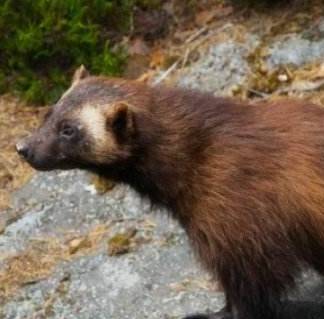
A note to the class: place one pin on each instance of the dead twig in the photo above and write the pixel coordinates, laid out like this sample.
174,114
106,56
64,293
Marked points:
165,74
196,34
301,86
259,93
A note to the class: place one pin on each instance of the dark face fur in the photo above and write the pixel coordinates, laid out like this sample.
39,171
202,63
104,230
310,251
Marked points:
88,126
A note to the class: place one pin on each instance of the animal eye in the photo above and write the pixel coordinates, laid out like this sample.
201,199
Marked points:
68,131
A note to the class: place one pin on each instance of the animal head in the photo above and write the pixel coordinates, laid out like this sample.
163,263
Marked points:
90,125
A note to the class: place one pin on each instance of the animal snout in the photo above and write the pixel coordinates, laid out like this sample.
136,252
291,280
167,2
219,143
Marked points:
24,150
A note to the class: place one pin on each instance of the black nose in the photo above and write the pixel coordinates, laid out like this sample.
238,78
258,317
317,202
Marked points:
23,150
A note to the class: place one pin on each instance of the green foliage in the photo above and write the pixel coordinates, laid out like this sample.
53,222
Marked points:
43,41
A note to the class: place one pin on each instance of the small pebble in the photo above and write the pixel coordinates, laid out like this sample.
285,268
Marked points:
283,77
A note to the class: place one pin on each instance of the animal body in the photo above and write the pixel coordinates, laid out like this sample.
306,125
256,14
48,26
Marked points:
245,181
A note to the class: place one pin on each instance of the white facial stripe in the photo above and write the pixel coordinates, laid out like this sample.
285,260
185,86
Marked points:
94,121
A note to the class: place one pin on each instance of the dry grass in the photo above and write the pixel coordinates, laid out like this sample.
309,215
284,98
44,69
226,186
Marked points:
38,261
16,120
221,23
32,265
121,243
306,82
40,258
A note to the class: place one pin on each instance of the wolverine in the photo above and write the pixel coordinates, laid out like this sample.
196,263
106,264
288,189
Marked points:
245,181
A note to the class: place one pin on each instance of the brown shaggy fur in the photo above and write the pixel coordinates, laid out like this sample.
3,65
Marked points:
245,181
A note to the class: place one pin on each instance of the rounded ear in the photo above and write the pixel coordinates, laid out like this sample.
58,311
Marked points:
121,120
80,73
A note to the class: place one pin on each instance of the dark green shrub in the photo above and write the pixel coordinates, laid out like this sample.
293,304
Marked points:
43,41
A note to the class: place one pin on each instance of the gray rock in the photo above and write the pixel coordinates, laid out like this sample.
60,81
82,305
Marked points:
140,284
137,285
295,50
60,202
221,68
298,49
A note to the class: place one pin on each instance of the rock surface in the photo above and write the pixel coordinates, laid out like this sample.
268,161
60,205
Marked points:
155,279
156,275
224,66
